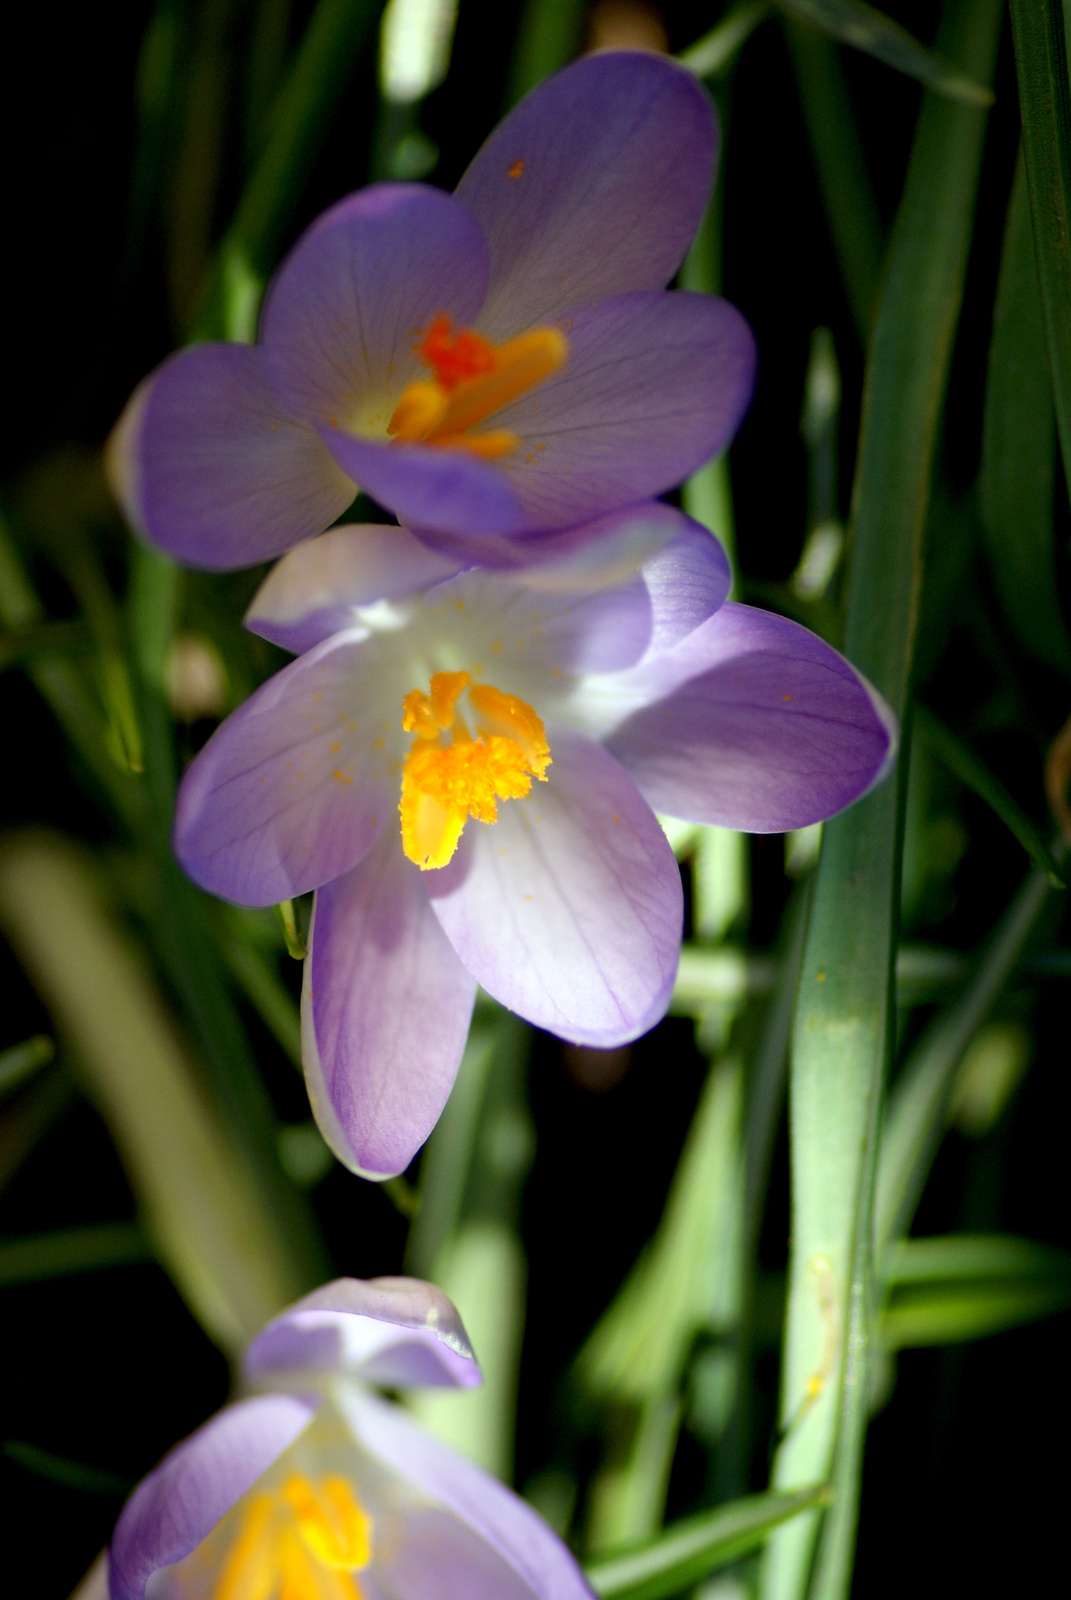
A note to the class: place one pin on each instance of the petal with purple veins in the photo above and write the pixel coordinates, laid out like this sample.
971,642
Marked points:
296,785
437,490
209,467
385,1012
752,722
396,1332
349,304
506,1525
311,593
569,908
655,385
594,185
194,1487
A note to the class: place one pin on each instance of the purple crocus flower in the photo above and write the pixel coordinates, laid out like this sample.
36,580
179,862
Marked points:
559,707
488,365
316,1489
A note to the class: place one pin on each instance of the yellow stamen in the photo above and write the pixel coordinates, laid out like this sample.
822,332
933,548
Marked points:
303,1541
473,379
443,784
332,1523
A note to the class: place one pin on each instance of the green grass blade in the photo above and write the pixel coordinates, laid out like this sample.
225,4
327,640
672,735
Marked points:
691,1549
966,1286
300,118
850,207
872,31
69,1250
1045,107
549,35
961,760
915,1119
843,1017
713,54
1019,449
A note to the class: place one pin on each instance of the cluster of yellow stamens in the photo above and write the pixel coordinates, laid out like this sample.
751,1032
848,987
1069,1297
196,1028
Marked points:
302,1541
473,379
446,781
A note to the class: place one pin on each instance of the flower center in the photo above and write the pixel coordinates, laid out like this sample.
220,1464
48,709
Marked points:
473,378
302,1541
446,781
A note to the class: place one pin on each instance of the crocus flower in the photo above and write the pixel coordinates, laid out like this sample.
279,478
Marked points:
488,365
525,727
316,1489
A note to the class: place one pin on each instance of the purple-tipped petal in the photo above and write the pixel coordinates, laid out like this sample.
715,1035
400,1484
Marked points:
753,722
311,593
594,185
208,466
568,909
655,385
687,580
292,789
499,1517
430,488
385,1012
179,1504
398,1332
349,304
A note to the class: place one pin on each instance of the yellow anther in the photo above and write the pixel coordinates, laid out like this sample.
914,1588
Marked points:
303,1541
249,1570
443,784
470,385
332,1523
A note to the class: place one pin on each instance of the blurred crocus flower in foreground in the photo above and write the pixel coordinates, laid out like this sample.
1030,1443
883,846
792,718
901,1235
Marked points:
316,1489
563,704
488,365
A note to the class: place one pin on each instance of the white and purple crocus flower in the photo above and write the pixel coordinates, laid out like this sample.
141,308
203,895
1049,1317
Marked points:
316,1489
466,765
492,366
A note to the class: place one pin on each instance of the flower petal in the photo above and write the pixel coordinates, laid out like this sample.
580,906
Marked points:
588,555
753,722
493,1512
311,593
655,385
594,185
208,466
347,306
291,790
179,1504
569,909
398,1332
385,1012
437,490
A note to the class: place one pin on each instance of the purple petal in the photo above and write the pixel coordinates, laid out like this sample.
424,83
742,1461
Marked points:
348,305
487,1507
179,1504
594,185
655,385
588,555
753,722
568,909
385,1012
291,790
311,593
687,580
210,468
512,633
399,1332
434,489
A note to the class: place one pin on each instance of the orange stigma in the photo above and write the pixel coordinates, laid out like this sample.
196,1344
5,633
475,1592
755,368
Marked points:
303,1541
473,379
444,783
